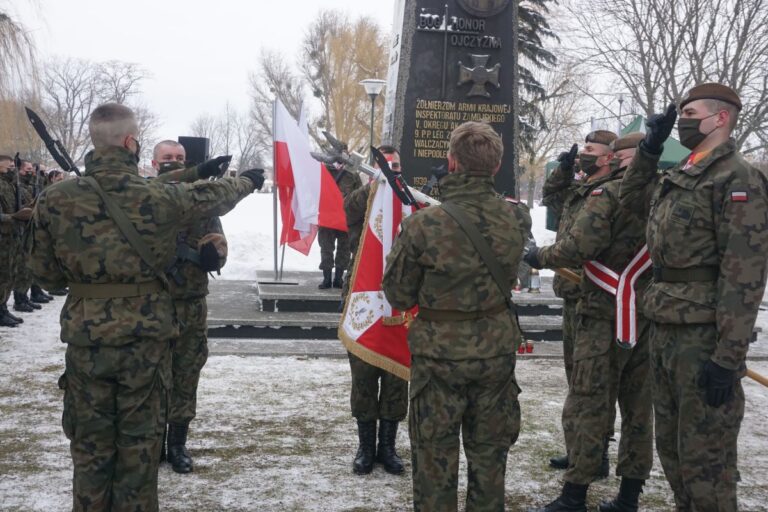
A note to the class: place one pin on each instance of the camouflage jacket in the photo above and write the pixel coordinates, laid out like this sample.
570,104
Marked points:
347,181
355,208
601,230
434,265
713,213
565,196
75,241
189,281
7,204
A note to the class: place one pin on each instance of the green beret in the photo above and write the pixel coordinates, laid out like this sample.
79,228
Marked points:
600,137
629,141
711,91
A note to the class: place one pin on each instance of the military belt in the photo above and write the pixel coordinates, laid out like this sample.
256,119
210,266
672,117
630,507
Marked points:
114,290
448,315
685,275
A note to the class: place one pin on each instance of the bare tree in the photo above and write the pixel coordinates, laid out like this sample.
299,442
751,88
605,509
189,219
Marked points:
658,49
17,55
148,125
206,125
120,80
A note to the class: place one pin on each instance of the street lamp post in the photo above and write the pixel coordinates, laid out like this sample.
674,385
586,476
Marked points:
373,87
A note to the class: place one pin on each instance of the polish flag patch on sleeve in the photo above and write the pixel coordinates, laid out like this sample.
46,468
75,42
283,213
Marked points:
597,192
739,197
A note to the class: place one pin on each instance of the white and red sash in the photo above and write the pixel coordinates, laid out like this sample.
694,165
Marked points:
623,288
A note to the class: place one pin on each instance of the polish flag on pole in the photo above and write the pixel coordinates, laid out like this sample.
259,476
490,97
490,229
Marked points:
370,327
309,197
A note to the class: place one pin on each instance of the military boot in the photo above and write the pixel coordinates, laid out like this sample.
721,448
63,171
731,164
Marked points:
61,292
626,501
5,318
385,453
559,462
36,295
4,311
21,303
605,465
326,280
366,451
573,498
178,455
338,278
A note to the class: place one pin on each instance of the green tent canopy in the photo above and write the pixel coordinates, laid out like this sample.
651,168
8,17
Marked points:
673,153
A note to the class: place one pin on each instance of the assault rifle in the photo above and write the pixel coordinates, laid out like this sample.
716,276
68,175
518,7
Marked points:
55,148
17,164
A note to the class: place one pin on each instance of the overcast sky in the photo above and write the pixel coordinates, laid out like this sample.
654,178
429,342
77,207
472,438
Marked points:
198,52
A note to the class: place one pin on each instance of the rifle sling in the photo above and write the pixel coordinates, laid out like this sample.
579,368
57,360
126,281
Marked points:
125,226
482,247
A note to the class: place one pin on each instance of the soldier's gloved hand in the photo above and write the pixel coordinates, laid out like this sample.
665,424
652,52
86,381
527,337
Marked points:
531,257
213,167
568,158
659,126
718,383
256,176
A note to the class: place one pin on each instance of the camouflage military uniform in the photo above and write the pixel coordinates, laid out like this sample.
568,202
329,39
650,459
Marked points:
8,239
463,371
22,280
330,239
603,231
562,193
710,217
367,401
118,356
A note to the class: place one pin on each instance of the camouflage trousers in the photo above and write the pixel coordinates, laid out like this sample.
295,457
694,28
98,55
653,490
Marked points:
570,320
369,401
22,276
189,354
696,443
330,240
115,400
7,267
603,373
472,399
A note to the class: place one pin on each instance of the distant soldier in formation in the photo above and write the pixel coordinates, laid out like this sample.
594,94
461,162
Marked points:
566,194
376,394
10,225
708,240
333,239
108,236
200,248
463,340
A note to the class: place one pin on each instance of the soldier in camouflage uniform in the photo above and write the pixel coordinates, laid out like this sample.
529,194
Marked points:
603,369
330,239
376,394
708,237
9,240
464,338
200,248
566,195
22,276
119,314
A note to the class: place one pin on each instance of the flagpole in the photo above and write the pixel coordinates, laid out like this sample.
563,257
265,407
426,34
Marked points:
274,181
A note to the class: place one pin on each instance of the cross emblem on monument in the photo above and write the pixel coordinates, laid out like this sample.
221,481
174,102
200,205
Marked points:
479,75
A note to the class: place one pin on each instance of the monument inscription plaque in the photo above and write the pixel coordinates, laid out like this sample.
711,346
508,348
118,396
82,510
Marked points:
450,62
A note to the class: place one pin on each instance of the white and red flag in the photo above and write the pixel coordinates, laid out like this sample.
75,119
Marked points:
370,327
309,197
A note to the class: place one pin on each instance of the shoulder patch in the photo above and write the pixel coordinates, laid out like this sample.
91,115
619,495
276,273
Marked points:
597,192
739,197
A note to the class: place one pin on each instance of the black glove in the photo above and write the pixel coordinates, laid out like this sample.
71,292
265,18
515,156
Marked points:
659,126
568,158
531,257
213,167
718,383
209,258
256,176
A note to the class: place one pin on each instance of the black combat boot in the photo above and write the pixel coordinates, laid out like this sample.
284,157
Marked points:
5,318
15,318
573,498
326,280
21,303
605,466
385,453
36,295
338,278
178,455
626,501
559,462
366,452
61,292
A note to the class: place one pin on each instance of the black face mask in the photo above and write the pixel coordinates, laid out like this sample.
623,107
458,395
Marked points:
169,166
588,164
690,131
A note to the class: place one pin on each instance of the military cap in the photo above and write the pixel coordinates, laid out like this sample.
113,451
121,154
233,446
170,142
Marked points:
712,91
629,141
601,137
